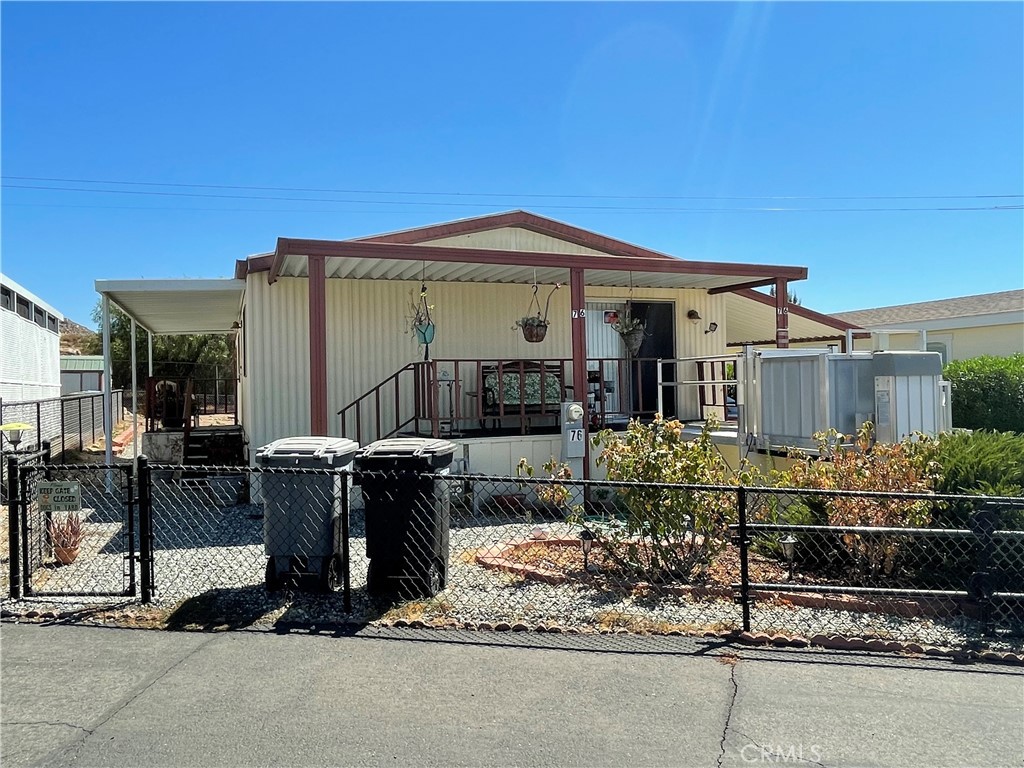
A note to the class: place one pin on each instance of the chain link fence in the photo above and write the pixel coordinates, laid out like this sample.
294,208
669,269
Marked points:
464,550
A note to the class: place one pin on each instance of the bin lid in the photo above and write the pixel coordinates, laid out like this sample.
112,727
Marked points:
415,447
309,446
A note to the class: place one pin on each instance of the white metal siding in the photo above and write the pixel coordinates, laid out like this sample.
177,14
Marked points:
369,338
277,324
29,359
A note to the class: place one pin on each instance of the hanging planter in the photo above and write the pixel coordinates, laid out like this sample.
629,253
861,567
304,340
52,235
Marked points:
424,332
535,326
631,330
423,327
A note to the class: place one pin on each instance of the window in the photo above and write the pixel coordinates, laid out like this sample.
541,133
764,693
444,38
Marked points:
6,298
941,348
52,324
24,307
40,317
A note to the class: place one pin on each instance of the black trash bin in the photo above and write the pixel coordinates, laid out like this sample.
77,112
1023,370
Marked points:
408,512
301,511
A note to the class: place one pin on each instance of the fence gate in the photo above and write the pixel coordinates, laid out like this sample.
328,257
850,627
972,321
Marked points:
78,530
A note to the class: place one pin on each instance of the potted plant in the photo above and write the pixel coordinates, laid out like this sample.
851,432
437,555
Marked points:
631,330
535,326
66,537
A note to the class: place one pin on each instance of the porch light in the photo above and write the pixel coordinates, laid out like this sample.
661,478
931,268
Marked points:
712,327
694,316
788,545
587,542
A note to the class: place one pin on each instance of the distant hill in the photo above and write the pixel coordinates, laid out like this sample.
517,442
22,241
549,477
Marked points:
76,339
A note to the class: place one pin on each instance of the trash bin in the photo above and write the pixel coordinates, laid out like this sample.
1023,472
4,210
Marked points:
407,515
301,512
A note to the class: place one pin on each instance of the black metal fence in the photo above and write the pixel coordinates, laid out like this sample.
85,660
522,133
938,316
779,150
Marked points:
464,550
68,423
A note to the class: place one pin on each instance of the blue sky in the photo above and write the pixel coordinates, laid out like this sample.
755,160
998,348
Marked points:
575,111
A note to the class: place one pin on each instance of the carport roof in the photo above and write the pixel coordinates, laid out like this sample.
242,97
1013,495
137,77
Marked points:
178,306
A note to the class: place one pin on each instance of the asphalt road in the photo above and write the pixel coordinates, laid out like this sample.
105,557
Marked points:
88,696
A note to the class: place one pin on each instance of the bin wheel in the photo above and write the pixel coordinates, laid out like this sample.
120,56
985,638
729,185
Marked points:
330,576
273,581
435,580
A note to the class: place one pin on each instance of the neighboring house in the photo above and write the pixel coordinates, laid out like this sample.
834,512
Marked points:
325,345
961,328
29,345
81,373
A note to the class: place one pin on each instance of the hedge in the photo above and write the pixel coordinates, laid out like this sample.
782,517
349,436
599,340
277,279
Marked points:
988,392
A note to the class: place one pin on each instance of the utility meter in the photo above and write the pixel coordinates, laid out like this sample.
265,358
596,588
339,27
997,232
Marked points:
574,432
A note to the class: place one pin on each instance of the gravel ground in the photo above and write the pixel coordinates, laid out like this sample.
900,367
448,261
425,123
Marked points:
209,565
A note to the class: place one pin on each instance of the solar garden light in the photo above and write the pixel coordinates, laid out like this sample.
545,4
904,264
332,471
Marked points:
788,551
587,541
13,432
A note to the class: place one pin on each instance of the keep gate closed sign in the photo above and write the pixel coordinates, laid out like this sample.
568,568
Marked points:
59,496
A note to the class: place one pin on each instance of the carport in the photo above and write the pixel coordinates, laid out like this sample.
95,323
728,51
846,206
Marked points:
162,308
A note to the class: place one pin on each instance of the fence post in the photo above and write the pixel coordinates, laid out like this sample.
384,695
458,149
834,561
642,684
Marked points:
63,440
744,545
14,527
130,502
145,498
347,572
47,456
81,437
39,421
981,584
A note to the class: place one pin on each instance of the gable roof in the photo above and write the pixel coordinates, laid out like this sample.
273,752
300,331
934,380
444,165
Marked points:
523,220
943,309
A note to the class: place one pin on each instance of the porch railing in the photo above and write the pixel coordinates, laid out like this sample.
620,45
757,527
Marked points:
173,402
449,396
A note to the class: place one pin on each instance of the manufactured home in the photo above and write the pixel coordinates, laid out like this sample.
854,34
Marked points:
326,344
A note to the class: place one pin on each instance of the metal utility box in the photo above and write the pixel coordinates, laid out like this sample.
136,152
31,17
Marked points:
908,396
408,514
301,511
801,392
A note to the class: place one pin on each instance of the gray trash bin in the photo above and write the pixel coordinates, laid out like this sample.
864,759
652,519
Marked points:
408,513
301,512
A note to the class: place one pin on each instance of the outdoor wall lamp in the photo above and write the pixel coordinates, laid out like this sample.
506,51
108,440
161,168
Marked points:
788,545
587,542
694,316
712,327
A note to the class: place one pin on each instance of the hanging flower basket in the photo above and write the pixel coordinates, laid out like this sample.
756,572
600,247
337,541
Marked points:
535,327
533,332
634,339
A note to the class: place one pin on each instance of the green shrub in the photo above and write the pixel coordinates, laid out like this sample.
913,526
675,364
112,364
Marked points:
986,463
988,392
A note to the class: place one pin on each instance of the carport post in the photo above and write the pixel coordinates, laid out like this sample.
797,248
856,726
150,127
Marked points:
149,337
108,405
135,399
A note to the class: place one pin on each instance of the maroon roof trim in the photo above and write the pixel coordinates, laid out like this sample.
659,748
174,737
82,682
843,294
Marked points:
796,309
740,286
523,220
401,252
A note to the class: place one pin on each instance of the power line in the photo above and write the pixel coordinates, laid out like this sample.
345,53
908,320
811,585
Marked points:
603,208
508,194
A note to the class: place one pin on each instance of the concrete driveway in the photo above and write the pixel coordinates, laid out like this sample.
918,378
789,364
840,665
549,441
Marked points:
89,696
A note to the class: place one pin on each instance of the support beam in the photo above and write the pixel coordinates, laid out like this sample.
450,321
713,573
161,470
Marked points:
317,346
108,375
135,399
781,313
741,286
149,368
578,314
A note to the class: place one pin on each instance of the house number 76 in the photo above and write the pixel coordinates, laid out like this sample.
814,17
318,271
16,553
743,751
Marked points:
578,313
